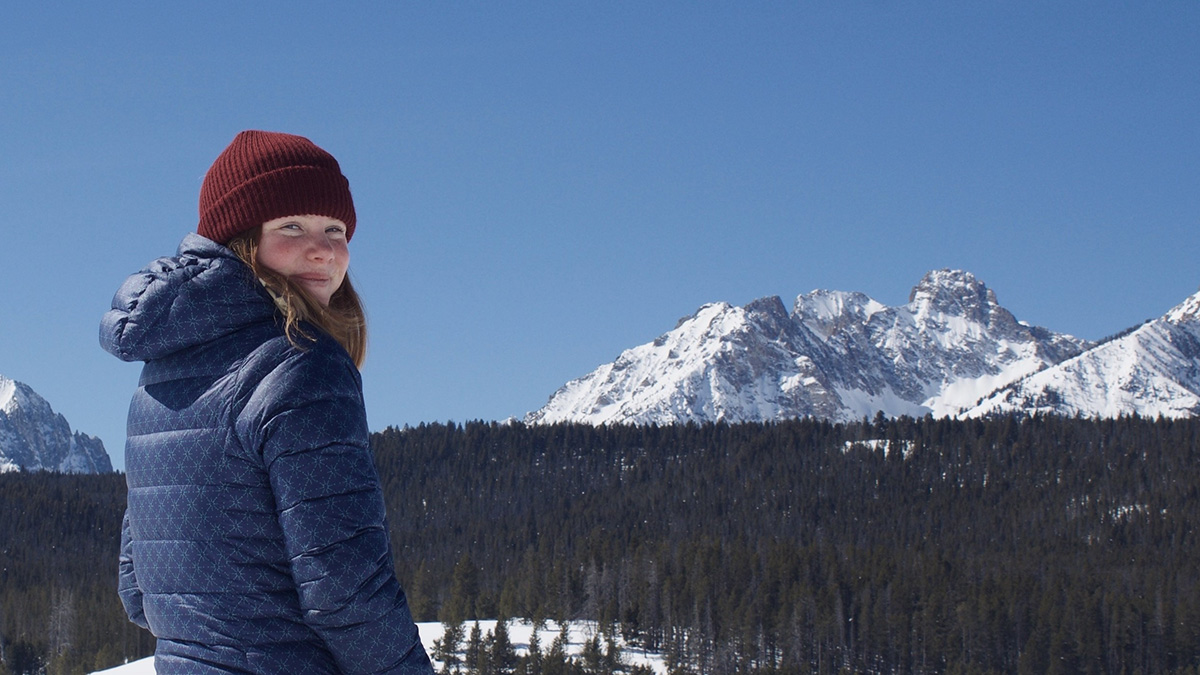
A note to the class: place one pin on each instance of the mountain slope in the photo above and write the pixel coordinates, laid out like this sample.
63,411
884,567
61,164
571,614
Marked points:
724,362
952,343
837,356
1154,370
33,437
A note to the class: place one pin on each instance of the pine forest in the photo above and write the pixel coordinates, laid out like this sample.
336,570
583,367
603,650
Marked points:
1031,545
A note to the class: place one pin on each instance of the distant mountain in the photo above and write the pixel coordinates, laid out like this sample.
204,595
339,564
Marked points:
837,355
33,437
1152,370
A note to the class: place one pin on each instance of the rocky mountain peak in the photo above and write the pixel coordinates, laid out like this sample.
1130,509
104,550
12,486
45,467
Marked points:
1186,311
827,312
770,313
18,398
953,292
839,355
771,306
35,438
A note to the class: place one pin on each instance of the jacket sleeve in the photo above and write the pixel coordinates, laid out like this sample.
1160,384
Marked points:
307,419
127,585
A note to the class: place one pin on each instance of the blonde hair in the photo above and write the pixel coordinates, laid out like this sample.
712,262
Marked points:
344,319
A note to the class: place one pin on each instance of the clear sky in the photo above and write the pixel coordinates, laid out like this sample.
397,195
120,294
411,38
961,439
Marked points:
542,185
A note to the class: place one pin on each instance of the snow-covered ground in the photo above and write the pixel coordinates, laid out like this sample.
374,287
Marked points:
519,632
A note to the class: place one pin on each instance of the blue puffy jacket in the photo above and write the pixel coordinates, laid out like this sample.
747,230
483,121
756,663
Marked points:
254,538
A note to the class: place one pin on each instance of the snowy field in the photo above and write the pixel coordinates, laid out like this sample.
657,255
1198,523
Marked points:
519,632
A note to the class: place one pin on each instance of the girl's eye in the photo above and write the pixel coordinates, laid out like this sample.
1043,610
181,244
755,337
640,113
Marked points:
334,229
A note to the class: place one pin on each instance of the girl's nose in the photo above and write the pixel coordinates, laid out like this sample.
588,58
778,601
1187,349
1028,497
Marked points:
320,248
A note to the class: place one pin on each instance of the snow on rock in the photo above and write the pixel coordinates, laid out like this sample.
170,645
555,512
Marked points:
829,312
839,355
1153,370
8,393
35,438
724,362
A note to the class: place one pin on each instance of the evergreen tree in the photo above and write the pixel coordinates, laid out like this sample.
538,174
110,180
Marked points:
888,545
475,658
532,662
611,662
446,648
502,656
556,661
464,593
593,656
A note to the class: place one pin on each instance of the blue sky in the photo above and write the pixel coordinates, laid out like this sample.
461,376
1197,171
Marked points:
542,185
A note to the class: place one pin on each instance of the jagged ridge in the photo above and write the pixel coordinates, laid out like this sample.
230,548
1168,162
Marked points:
1151,370
34,438
838,355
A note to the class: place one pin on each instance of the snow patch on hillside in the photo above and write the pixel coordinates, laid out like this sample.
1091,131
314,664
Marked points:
35,438
1154,370
519,632
8,393
838,355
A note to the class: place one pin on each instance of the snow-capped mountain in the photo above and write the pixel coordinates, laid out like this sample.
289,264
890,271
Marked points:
837,356
1152,370
33,437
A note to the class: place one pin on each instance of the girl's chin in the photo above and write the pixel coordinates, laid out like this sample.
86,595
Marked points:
318,289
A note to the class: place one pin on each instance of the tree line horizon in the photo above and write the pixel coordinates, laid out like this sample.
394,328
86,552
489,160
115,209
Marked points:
908,545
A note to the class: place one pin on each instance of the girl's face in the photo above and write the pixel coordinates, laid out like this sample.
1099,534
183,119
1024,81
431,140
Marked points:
309,250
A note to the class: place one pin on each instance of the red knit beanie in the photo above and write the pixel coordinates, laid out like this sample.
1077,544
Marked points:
264,175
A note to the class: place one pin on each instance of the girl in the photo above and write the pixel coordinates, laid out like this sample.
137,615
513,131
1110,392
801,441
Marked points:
254,537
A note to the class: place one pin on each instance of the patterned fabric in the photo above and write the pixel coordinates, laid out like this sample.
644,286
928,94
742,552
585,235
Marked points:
254,538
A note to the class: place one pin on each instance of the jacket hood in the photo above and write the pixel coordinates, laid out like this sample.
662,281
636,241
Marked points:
203,293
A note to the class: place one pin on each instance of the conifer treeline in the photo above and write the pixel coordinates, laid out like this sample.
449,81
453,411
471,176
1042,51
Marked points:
493,653
1004,545
59,610
906,545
